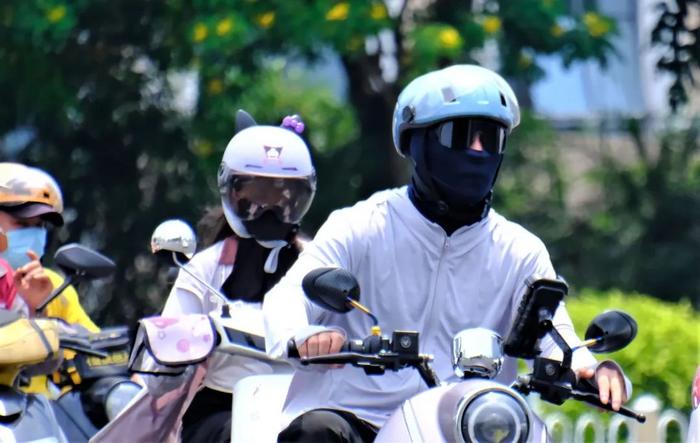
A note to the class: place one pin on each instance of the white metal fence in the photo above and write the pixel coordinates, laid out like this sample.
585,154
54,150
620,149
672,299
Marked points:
655,429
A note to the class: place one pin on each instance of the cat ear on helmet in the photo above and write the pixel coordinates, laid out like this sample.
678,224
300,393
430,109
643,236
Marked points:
244,120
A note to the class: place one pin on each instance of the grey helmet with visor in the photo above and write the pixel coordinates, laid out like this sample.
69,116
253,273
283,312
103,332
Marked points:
265,169
478,101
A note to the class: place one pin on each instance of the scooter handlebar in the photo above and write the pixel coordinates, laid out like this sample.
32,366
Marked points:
594,399
355,346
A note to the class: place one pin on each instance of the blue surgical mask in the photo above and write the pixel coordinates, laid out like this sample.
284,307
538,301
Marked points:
19,241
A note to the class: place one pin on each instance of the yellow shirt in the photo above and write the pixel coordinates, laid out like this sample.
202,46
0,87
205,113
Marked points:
66,307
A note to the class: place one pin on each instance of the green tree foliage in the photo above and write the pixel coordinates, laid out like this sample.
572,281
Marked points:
640,232
89,85
664,356
678,36
644,233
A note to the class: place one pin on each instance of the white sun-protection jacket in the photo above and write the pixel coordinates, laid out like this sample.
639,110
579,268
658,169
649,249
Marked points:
412,276
188,296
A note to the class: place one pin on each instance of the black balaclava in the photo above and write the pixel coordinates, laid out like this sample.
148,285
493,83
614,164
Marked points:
450,187
268,227
248,281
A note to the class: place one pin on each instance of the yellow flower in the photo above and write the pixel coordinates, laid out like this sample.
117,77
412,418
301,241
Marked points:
491,24
378,11
266,20
449,38
200,32
596,25
224,27
215,87
56,13
338,12
556,30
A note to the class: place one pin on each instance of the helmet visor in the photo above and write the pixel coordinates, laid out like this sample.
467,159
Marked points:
479,134
250,196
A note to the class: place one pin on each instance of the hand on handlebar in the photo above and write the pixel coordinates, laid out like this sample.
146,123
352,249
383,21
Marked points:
323,343
610,381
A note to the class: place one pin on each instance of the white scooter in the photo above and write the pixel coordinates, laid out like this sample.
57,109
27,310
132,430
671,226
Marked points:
178,348
476,409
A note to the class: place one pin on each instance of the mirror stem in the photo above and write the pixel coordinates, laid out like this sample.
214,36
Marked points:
559,340
587,343
207,285
56,292
363,308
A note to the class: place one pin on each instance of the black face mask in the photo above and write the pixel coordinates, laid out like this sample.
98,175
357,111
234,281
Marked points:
268,227
463,178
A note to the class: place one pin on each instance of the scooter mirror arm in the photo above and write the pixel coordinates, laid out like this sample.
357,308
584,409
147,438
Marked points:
212,289
69,280
559,340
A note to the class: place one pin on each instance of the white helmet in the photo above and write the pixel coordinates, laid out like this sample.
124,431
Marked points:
459,91
266,168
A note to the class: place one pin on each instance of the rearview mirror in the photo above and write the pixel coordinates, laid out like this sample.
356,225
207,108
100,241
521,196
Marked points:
174,236
82,261
611,331
178,239
334,289
78,262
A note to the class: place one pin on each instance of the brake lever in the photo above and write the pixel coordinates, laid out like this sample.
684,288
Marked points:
353,358
594,400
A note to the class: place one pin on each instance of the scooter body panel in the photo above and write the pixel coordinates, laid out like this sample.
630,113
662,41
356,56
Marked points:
72,417
257,407
433,415
36,423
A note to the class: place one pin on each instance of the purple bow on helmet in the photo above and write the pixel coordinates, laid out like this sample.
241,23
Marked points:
294,123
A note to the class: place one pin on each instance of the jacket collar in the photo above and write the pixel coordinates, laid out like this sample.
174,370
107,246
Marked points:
464,238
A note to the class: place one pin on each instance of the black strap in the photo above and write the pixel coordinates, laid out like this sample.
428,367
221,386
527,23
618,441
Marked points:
248,281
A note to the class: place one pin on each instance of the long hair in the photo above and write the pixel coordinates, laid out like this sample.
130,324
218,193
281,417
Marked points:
213,227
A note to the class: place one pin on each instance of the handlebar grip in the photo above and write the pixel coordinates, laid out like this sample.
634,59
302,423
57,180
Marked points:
292,351
353,346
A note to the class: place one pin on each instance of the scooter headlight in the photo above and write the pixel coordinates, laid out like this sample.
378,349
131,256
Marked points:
494,416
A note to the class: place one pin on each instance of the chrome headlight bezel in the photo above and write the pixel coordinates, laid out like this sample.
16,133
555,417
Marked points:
477,352
467,400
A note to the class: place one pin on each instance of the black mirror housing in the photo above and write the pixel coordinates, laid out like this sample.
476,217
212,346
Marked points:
613,329
330,288
76,259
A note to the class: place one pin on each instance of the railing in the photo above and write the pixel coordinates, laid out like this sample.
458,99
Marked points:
590,425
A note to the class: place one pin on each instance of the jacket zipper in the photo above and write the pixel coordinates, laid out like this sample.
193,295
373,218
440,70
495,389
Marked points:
445,245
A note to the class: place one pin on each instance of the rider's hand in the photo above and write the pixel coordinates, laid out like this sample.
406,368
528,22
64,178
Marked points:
611,383
32,282
323,343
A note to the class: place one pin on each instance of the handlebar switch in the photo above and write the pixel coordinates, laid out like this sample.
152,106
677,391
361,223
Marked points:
405,342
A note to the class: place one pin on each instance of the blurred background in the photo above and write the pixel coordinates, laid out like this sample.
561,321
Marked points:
130,105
